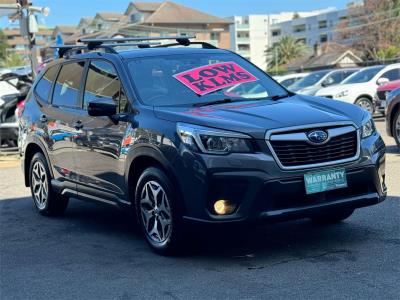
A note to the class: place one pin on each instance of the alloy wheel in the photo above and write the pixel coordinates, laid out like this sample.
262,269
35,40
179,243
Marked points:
155,210
397,127
40,185
366,104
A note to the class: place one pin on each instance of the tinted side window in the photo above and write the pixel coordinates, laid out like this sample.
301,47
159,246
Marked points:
43,87
102,84
392,74
335,78
66,90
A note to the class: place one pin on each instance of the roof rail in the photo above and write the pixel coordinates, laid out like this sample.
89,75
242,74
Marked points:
204,45
182,40
63,49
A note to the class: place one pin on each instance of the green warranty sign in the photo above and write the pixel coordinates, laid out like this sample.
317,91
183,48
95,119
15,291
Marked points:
318,182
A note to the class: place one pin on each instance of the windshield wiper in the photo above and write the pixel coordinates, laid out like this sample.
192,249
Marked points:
222,101
277,97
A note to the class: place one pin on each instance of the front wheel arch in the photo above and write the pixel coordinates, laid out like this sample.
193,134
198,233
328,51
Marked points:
146,158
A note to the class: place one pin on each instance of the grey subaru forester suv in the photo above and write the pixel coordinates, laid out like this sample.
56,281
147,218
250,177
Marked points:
184,134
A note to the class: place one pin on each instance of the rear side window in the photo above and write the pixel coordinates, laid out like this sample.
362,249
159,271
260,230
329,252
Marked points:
66,90
43,87
102,84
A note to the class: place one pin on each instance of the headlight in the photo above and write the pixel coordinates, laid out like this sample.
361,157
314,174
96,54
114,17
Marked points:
368,128
213,141
342,94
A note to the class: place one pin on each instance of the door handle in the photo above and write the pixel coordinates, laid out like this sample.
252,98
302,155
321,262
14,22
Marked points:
43,118
78,125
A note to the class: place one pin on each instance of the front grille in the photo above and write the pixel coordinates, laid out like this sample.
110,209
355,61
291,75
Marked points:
302,153
381,95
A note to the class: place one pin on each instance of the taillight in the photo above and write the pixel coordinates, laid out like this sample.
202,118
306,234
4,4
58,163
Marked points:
20,108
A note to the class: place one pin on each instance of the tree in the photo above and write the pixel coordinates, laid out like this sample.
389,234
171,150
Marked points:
285,51
13,59
373,28
3,45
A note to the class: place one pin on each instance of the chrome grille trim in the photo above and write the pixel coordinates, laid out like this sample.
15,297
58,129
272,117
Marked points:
286,134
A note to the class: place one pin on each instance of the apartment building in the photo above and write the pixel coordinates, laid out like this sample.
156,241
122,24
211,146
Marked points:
19,44
317,29
250,35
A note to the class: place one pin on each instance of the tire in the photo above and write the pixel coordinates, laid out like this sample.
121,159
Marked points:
46,200
366,104
332,216
160,220
396,128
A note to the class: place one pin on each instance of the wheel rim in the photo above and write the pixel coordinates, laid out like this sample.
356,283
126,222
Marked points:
366,105
40,186
397,128
156,212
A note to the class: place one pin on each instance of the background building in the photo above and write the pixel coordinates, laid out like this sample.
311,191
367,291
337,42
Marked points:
250,35
311,30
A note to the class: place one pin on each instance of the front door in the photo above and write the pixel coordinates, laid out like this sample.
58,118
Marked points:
99,143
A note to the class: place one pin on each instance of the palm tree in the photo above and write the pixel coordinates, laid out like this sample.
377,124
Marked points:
286,50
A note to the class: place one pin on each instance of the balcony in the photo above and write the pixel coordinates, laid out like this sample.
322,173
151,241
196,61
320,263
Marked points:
242,40
242,27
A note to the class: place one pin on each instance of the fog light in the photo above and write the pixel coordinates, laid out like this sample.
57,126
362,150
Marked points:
224,207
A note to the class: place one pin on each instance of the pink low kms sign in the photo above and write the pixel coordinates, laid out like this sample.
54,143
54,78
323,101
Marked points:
209,78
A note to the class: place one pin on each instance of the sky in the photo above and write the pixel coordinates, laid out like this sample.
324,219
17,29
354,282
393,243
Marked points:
68,12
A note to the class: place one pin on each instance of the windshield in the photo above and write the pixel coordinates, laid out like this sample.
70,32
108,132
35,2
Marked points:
364,75
192,79
309,80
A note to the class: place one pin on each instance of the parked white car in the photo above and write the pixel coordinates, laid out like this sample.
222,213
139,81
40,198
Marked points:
289,79
312,83
361,87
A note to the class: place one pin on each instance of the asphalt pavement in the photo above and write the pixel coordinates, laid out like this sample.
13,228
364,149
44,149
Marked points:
94,252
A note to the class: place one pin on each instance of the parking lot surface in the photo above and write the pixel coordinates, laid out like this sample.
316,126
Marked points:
94,252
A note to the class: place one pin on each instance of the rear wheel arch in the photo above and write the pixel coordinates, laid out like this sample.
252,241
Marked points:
29,153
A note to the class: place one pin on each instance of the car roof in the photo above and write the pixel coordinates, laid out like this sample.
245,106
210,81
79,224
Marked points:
133,53
128,54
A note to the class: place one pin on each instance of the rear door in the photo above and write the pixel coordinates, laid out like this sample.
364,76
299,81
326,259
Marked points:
99,143
61,117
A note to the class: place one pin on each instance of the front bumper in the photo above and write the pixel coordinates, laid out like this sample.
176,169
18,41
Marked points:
264,192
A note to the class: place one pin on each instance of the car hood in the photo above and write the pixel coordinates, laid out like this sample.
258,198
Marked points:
390,86
256,117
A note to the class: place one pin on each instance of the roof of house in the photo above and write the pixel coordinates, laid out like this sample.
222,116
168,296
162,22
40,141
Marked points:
173,13
86,20
144,6
66,29
110,16
331,54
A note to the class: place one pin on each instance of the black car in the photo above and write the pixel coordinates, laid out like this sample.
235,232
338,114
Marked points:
160,131
393,115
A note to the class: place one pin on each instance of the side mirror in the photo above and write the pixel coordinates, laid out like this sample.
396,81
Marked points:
99,109
382,80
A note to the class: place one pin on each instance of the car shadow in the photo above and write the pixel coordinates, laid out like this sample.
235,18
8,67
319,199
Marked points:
102,231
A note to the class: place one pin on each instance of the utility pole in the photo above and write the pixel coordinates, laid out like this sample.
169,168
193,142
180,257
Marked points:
23,11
